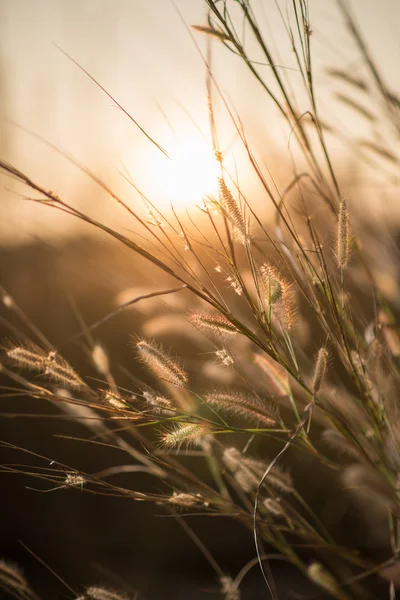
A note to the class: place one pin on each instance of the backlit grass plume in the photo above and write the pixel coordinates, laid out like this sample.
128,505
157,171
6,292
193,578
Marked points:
161,363
215,323
277,294
183,434
50,365
248,407
232,211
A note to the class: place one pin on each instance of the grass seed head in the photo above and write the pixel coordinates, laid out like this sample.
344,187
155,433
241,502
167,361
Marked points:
184,500
185,434
161,363
215,33
158,404
246,406
13,580
216,323
224,357
74,480
100,593
319,369
342,246
57,369
232,211
27,358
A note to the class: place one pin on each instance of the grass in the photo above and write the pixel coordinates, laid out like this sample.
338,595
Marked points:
257,287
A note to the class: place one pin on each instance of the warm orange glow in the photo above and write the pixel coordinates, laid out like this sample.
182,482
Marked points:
183,179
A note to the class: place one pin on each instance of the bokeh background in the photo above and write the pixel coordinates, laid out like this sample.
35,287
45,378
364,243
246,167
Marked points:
146,56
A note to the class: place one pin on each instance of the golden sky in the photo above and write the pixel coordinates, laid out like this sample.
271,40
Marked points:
143,53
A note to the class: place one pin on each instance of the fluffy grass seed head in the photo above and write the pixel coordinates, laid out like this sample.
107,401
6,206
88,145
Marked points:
158,404
74,480
224,357
185,500
342,244
245,406
232,211
161,363
57,369
27,358
113,400
273,507
216,323
100,593
52,365
185,434
319,369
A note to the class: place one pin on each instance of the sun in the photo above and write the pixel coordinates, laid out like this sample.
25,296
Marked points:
188,175
184,178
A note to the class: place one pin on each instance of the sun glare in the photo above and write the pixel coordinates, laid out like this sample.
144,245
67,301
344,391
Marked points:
189,174
185,178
